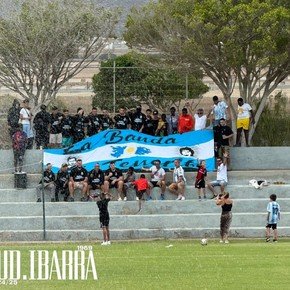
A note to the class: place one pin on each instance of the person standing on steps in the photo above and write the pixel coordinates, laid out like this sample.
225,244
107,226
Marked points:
219,110
273,216
200,179
13,117
226,204
245,117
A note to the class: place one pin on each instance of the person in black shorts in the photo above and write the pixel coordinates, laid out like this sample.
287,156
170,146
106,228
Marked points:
200,179
61,182
102,203
96,179
78,179
114,178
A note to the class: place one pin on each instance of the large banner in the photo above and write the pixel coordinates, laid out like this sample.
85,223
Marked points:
131,148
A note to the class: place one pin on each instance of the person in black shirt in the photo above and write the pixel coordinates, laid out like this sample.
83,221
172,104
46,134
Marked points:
114,178
122,121
138,119
107,121
148,127
155,120
41,123
94,123
223,135
55,136
13,117
66,129
48,183
78,179
96,179
104,217
79,126
61,182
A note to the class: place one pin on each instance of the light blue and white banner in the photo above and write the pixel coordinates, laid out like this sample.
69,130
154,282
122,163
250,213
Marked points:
131,148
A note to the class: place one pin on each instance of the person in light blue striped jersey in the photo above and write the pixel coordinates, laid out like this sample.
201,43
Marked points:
273,216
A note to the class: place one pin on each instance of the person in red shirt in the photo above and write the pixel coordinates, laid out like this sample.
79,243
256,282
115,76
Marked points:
141,186
200,180
185,122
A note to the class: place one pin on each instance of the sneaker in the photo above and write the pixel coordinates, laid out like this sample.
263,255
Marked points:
179,197
108,242
104,243
83,199
162,197
119,199
52,200
267,240
70,199
214,196
199,198
137,198
182,198
125,198
38,200
227,242
204,197
275,241
221,241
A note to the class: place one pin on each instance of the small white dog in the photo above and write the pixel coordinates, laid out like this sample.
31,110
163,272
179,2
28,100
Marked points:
258,184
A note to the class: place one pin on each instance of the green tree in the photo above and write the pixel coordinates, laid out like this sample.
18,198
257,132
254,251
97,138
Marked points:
44,43
137,81
244,42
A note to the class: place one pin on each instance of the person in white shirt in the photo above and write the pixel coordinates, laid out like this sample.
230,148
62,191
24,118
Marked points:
244,118
26,120
157,178
200,120
178,185
222,176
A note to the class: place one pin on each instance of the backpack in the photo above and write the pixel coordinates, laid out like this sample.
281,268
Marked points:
19,140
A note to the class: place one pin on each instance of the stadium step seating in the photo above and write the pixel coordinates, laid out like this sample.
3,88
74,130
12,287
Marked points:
21,218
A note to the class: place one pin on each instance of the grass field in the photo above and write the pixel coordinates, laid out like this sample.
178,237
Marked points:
242,264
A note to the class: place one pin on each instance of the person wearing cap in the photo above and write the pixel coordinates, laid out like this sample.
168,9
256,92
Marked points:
96,178
114,179
48,183
55,135
138,119
41,123
172,120
122,120
61,182
185,122
26,119
155,120
78,179
148,124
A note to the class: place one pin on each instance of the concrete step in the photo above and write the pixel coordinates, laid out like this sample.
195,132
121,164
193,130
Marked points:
131,207
234,177
135,222
236,192
212,233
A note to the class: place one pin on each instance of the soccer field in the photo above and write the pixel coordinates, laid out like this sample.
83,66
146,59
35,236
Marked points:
242,264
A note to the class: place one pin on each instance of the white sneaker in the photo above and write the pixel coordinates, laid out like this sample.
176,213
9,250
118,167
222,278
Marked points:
104,243
137,198
182,198
221,241
227,242
119,199
108,242
125,198
179,197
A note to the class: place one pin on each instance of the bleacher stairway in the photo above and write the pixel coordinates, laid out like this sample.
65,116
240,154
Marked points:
21,218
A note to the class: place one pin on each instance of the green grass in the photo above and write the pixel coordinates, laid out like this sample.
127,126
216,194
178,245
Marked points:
243,264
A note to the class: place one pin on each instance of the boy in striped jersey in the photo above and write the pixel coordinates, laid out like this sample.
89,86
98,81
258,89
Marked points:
273,217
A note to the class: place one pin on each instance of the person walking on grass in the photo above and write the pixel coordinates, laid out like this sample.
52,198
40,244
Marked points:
200,179
273,216
104,217
226,204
